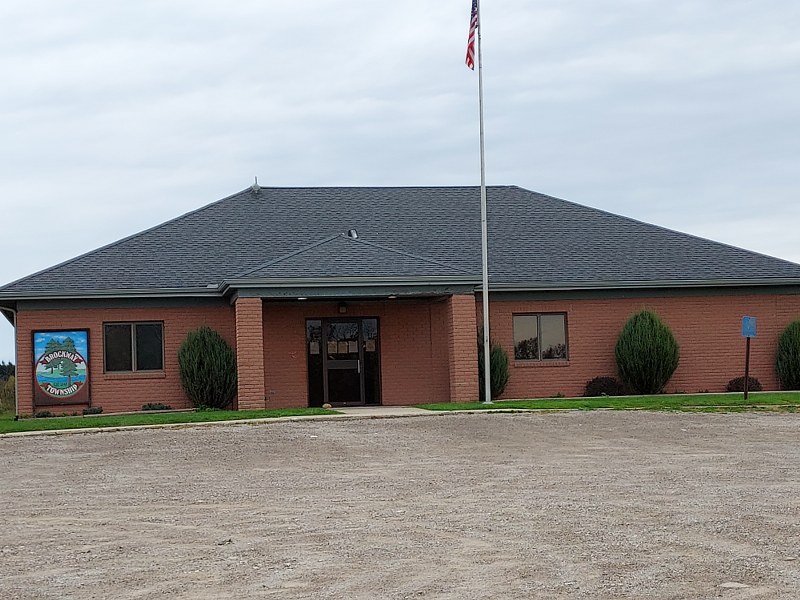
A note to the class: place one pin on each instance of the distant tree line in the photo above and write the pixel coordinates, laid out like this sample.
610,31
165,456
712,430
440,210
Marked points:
6,370
7,388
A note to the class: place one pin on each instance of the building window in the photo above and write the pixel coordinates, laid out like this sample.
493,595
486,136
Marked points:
540,337
134,347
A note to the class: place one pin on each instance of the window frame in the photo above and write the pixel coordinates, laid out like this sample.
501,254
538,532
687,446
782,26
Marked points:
539,316
134,367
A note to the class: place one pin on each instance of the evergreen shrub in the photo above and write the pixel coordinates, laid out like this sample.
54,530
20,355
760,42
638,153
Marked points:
207,366
788,361
647,353
498,368
156,406
737,385
604,386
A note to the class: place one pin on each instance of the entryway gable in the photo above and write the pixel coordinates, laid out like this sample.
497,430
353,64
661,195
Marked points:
348,256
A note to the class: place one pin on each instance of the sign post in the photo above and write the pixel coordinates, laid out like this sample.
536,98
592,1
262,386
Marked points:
748,331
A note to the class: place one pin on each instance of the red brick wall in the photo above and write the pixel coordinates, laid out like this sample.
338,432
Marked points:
428,348
117,392
414,361
708,329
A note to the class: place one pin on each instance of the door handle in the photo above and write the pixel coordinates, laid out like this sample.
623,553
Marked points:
359,365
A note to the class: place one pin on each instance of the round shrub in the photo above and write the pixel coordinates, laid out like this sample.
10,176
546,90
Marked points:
498,368
788,361
208,369
647,353
604,386
737,385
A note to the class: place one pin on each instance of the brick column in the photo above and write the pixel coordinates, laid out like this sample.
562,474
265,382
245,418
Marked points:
463,348
250,353
24,361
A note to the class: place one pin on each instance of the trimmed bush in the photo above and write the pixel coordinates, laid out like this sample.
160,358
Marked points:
604,386
498,368
93,410
647,353
156,406
788,361
208,369
737,385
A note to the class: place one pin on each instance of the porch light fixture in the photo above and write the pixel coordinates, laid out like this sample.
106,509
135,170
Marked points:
342,308
352,233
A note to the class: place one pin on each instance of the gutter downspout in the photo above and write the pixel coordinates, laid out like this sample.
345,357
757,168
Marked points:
13,311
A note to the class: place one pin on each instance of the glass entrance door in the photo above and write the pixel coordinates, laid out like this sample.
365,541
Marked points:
343,361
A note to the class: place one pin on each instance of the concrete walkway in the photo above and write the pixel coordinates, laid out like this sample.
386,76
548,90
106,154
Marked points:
377,412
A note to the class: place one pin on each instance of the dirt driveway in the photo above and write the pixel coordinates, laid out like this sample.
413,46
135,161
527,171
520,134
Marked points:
567,505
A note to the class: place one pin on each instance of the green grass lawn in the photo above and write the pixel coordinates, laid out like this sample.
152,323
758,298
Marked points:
9,425
707,402
785,401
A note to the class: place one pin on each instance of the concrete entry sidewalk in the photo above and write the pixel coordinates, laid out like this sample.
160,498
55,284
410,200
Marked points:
378,412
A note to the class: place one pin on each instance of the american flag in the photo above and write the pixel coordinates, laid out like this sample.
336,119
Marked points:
473,26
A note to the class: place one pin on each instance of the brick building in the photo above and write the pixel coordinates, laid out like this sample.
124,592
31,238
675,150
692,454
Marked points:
373,296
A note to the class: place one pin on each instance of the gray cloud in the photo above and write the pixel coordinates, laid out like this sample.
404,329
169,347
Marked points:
115,117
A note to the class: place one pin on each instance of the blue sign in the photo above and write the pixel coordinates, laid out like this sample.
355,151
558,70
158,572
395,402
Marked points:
749,327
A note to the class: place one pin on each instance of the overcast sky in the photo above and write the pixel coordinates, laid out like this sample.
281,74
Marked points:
116,116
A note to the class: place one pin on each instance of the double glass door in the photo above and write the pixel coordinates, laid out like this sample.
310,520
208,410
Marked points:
343,361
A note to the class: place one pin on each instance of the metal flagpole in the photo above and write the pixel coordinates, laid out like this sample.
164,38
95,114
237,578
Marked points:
487,382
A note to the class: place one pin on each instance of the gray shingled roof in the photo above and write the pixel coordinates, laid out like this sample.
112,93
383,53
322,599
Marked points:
535,241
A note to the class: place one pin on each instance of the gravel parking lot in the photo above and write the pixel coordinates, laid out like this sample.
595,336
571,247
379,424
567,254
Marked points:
559,505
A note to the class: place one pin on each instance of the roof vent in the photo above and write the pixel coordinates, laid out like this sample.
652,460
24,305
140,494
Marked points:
255,187
352,233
